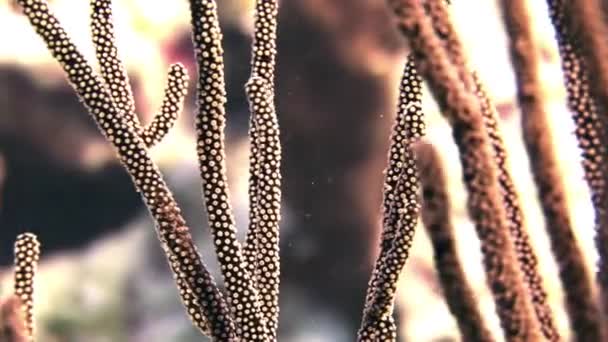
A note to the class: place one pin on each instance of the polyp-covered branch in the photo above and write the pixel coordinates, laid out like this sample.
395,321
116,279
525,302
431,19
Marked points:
112,69
463,111
528,263
269,200
210,123
261,254
590,130
171,227
538,141
400,209
27,254
175,92
262,66
436,212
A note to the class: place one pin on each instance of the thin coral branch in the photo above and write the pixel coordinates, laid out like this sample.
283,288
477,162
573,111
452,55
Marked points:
27,255
462,110
436,212
528,261
264,40
113,70
171,227
173,102
400,207
210,123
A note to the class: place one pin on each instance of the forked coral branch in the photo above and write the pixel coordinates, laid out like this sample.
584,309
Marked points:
251,309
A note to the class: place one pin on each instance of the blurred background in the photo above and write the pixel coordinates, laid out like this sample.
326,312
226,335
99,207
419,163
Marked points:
103,276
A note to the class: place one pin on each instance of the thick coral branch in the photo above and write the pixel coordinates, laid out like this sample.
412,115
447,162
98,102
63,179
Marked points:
463,111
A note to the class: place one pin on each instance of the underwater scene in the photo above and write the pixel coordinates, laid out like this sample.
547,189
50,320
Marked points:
303,170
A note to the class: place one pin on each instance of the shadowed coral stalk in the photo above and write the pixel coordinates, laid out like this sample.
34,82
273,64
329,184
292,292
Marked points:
528,262
400,209
523,249
12,325
436,212
538,141
463,111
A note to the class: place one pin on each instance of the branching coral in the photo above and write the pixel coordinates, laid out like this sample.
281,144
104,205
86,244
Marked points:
460,106
251,310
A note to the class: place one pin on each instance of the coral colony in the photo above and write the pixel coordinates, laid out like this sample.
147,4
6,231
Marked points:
414,185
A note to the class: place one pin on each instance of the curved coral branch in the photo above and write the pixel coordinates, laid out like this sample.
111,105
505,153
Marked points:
173,103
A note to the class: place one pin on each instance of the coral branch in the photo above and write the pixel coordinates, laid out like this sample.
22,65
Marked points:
400,208
528,262
461,108
436,212
173,102
269,199
551,191
210,123
27,254
591,132
113,70
262,65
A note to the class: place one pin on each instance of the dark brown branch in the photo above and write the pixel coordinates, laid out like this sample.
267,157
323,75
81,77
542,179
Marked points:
436,212
463,111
